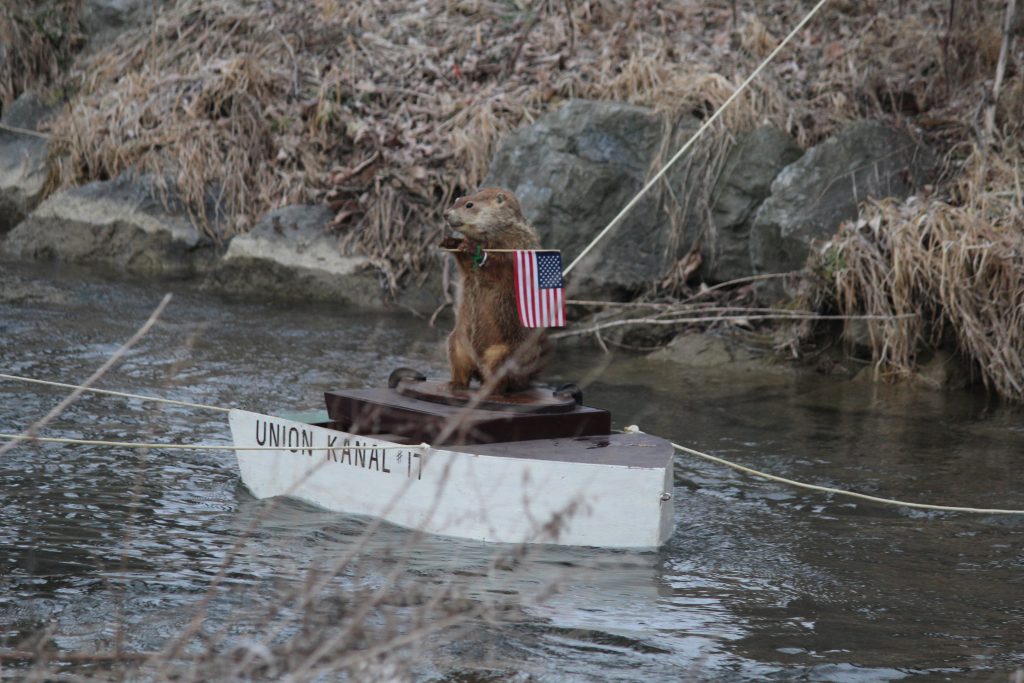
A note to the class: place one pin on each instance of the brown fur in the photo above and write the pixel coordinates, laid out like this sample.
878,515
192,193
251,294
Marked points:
488,342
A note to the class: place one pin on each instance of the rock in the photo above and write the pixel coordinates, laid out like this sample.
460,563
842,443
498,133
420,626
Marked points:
102,20
22,159
944,372
857,337
573,171
289,255
118,224
700,351
811,197
19,290
708,351
745,181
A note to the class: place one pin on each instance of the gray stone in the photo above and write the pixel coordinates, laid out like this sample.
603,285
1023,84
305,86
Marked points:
102,20
573,170
811,197
28,112
289,255
703,351
722,353
118,224
23,170
19,290
944,371
745,181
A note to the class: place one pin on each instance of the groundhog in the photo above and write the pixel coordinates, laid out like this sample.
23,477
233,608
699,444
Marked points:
489,343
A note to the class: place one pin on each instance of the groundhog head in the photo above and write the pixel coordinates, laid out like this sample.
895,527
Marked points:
482,217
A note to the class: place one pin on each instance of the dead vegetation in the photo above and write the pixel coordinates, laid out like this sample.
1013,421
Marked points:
388,110
941,274
37,42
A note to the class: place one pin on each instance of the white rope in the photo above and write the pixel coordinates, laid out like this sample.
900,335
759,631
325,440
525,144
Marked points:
633,429
205,447
689,143
154,399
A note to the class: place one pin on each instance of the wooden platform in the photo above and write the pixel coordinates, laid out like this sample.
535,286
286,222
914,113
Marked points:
535,400
401,412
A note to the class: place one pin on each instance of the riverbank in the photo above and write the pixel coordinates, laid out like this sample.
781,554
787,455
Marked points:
298,150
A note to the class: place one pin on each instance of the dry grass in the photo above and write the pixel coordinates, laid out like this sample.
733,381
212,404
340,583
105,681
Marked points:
388,110
37,42
957,269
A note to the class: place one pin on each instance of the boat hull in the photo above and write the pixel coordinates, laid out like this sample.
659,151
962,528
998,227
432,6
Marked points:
612,491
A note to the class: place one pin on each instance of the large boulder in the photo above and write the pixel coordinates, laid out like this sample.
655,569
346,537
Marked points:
290,255
811,197
574,170
118,224
744,183
22,159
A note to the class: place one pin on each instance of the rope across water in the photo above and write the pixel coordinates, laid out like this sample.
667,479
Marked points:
633,429
135,445
426,447
151,399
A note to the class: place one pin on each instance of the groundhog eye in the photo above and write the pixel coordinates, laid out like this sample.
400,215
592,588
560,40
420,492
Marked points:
469,205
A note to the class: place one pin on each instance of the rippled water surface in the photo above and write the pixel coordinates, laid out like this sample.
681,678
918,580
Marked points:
759,581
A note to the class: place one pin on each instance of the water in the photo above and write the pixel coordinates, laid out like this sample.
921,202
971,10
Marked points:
759,582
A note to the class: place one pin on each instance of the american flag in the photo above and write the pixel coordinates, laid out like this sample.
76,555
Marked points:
540,294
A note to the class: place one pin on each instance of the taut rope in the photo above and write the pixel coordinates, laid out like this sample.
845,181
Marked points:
152,399
633,429
135,445
425,446
693,138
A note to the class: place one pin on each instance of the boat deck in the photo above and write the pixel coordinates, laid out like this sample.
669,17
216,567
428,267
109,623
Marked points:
629,450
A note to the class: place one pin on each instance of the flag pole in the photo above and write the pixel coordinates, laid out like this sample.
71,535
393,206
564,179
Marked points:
500,251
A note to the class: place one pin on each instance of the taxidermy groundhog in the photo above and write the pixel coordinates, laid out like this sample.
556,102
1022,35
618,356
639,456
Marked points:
489,342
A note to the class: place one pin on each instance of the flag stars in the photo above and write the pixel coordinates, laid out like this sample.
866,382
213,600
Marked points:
549,270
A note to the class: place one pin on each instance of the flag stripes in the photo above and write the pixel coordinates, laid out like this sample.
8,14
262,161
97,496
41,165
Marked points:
540,290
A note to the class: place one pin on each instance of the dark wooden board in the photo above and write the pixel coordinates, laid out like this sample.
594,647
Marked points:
533,400
376,411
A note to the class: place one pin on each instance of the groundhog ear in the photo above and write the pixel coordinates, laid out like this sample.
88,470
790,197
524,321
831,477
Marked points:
500,198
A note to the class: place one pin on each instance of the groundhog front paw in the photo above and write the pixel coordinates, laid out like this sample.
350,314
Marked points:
451,243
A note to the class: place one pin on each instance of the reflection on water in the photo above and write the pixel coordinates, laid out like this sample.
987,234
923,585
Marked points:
759,581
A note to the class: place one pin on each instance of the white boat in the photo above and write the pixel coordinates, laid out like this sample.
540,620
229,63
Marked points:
486,481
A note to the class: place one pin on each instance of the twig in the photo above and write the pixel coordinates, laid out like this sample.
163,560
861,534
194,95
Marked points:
74,657
795,315
24,131
500,251
113,360
511,66
437,312
1004,48
749,278
667,304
